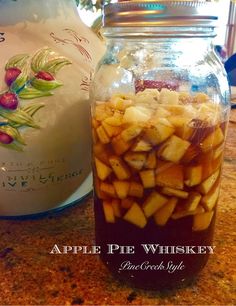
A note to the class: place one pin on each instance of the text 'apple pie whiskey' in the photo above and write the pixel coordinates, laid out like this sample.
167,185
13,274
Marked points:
160,106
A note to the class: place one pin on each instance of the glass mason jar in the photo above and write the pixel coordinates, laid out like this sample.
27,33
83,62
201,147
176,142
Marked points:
47,58
160,106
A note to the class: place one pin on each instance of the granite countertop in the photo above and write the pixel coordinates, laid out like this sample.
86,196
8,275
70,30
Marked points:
30,275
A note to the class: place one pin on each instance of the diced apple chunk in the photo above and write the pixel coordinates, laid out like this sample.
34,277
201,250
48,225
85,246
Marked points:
127,203
174,149
135,114
101,152
108,189
120,103
141,146
115,203
103,171
102,135
184,213
169,175
136,189
151,160
193,175
169,97
108,212
213,140
119,145
101,112
120,169
206,185
209,201
111,130
131,132
158,132
135,216
218,152
115,120
192,201
100,194
175,193
154,202
135,160
148,178
163,214
202,221
121,188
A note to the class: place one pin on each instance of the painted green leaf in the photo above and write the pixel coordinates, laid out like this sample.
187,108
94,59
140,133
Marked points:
19,117
13,132
21,80
33,93
44,85
53,66
17,61
31,109
40,59
12,146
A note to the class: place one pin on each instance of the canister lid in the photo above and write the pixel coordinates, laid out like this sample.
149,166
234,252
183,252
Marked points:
160,14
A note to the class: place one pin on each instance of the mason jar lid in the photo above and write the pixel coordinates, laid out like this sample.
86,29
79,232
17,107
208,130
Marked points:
160,14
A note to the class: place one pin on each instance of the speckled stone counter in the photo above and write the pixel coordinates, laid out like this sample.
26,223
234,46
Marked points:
30,275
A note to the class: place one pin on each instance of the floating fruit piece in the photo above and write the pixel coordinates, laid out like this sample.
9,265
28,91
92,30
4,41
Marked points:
101,152
136,160
119,145
115,120
103,171
141,146
141,85
43,75
115,203
101,112
111,130
154,202
169,97
121,103
192,202
148,178
99,193
213,140
158,132
200,130
108,212
205,160
102,135
175,193
131,132
209,201
202,221
135,114
200,98
174,149
5,138
218,152
9,101
192,152
206,185
11,75
169,175
108,189
135,216
127,203
193,175
163,214
185,213
121,188
151,160
135,189
120,169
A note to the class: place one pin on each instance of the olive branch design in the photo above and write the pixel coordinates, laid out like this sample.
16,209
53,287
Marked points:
26,78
